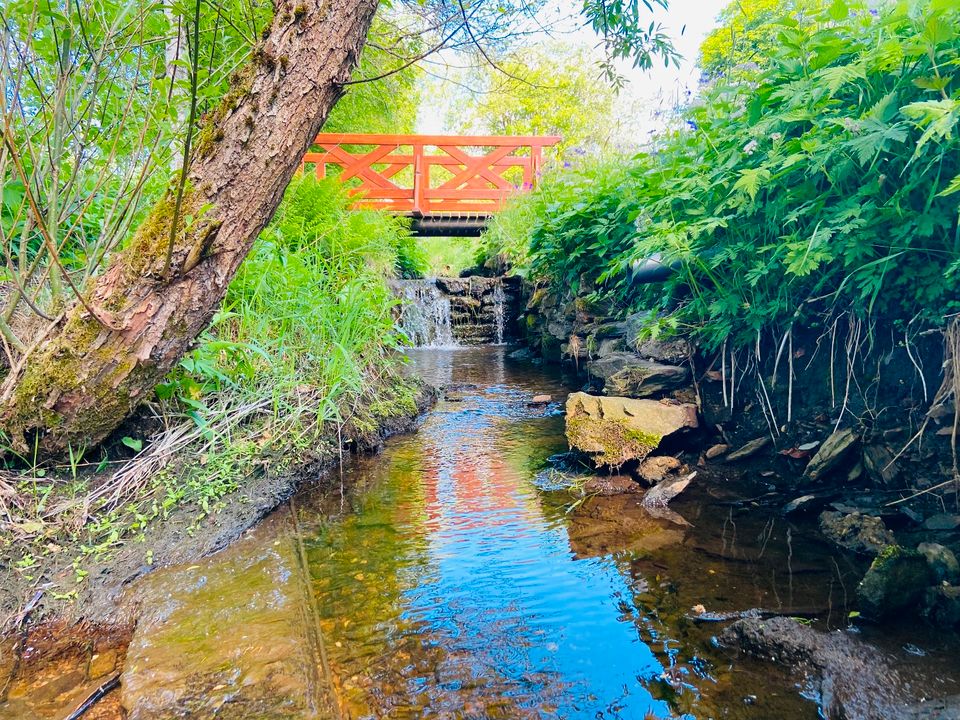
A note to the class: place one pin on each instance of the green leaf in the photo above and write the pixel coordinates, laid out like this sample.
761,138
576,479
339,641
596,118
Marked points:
751,180
133,443
952,187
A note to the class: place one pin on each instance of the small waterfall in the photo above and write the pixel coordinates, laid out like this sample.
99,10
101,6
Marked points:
452,312
499,312
425,313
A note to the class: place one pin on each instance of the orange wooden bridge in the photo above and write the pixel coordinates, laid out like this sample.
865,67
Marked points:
447,184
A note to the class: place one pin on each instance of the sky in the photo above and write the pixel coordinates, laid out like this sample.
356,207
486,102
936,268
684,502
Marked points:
647,92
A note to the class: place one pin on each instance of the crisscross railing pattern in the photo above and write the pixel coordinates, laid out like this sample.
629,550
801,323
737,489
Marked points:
423,175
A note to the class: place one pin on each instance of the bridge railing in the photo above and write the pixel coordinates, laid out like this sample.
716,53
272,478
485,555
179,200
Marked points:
424,175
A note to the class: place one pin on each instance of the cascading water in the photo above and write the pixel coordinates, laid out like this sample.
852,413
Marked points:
453,312
499,312
425,313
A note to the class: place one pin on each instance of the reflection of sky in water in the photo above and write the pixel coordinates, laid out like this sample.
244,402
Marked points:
515,613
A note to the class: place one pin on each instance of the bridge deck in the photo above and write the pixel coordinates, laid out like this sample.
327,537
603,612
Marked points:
448,184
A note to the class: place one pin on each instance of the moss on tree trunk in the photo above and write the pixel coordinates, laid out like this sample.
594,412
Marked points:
89,373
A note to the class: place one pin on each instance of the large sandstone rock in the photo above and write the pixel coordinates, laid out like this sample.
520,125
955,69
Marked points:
625,373
615,430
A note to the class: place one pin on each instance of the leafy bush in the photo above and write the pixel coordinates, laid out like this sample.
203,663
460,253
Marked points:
826,181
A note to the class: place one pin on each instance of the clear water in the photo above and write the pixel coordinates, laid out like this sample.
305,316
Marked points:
451,576
451,584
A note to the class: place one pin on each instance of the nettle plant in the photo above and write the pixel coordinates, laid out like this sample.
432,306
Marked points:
824,181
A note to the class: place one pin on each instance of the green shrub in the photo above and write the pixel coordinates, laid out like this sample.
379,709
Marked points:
823,182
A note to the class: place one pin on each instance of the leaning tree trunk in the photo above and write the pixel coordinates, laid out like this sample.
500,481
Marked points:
91,371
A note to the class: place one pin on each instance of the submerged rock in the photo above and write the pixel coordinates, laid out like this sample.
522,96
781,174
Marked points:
853,680
624,373
610,485
618,524
655,469
614,430
231,636
833,451
897,579
855,531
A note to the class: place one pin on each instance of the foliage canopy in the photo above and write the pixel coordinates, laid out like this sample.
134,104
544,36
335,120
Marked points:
828,180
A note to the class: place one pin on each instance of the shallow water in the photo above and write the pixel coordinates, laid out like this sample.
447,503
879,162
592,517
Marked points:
454,576
451,581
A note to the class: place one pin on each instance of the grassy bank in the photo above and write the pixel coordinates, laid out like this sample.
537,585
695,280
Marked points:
300,360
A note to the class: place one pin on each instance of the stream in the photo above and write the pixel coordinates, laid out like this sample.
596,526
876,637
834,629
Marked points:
454,576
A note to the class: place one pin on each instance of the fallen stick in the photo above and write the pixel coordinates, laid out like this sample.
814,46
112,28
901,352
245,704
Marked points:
95,697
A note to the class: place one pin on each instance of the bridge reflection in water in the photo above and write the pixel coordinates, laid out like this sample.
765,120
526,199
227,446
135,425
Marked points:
447,184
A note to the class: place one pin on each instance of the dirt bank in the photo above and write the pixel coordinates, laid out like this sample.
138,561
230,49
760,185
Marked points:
180,537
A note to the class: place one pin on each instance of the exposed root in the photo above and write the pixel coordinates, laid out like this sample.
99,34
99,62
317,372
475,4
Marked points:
947,395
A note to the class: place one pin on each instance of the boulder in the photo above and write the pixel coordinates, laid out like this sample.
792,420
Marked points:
615,430
607,485
943,563
897,579
855,531
833,451
624,373
655,469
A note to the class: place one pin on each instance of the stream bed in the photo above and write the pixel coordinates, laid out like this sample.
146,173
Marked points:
453,576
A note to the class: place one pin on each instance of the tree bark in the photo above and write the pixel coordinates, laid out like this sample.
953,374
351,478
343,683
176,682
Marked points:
90,372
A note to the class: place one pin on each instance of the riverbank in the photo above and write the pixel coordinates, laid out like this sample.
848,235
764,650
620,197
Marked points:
66,582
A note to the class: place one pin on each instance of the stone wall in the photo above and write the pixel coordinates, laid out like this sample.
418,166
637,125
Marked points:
483,311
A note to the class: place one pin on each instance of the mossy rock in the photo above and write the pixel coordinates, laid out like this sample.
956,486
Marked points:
897,579
615,430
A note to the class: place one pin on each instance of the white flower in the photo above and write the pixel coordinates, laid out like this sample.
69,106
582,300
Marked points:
776,137
750,147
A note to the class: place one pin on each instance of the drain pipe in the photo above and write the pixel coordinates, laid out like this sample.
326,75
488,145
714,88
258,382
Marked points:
652,269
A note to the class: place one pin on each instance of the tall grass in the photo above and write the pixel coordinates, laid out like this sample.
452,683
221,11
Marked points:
308,319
